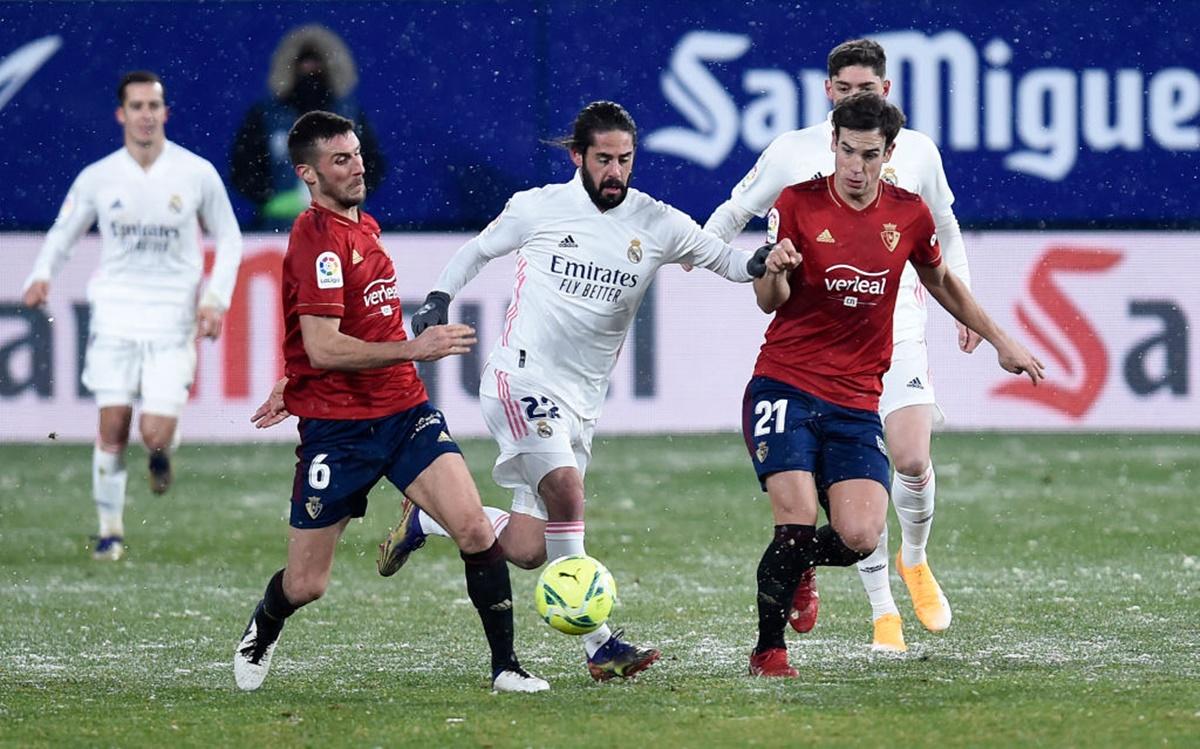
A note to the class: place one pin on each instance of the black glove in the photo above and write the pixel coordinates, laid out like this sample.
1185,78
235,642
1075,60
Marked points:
756,266
435,311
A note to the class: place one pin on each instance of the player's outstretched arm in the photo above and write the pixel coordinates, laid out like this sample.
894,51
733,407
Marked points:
772,290
328,347
956,298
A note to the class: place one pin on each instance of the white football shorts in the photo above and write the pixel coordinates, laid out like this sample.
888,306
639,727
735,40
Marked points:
907,382
119,370
536,435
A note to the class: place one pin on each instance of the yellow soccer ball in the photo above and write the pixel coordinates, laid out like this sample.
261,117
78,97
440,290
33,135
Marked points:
575,594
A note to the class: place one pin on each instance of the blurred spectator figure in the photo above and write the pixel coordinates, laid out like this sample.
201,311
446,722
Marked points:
312,68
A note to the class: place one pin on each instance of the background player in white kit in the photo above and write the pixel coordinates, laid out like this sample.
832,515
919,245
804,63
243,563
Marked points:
586,252
908,408
149,200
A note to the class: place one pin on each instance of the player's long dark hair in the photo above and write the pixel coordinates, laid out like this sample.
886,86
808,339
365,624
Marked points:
597,117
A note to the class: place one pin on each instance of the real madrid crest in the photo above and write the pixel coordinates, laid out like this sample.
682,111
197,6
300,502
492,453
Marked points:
761,452
175,204
635,251
314,507
544,430
889,176
891,237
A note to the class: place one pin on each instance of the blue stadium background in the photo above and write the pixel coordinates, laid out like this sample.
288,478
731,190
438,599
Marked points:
462,94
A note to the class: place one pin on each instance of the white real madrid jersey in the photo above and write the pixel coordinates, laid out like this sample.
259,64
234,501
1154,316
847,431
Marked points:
802,155
151,259
580,276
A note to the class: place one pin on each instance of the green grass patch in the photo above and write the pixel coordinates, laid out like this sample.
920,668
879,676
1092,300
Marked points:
1071,563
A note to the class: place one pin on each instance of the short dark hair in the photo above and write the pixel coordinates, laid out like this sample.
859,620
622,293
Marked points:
868,111
312,127
862,52
137,76
597,117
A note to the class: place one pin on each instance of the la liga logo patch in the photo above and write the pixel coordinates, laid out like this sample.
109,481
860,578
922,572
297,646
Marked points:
329,271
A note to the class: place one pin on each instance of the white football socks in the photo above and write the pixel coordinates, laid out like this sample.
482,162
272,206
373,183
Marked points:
431,527
564,539
912,496
108,490
873,571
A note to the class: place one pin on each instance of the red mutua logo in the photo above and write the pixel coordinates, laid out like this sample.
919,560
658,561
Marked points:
1088,363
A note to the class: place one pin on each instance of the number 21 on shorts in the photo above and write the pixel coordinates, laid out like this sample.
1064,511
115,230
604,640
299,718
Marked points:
772,416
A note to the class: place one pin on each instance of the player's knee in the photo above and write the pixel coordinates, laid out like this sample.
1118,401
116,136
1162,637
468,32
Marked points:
914,464
474,537
529,558
861,536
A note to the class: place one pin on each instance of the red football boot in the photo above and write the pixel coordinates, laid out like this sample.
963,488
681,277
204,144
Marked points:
805,602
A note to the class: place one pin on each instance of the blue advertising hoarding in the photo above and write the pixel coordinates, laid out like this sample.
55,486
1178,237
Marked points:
1046,114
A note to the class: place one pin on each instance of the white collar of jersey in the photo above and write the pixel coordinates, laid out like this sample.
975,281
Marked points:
167,146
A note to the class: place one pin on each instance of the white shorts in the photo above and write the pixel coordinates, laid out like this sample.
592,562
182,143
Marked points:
119,370
908,383
536,435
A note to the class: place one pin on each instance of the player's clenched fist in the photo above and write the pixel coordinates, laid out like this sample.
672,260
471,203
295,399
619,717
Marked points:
438,341
783,257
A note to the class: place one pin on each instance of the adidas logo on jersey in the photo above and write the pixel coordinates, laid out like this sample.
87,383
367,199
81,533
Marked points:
355,258
568,241
916,383
826,237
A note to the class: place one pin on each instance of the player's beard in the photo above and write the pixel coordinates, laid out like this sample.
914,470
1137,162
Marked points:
602,201
343,197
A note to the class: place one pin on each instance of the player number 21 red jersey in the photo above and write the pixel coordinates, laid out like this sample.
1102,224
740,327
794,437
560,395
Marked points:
833,337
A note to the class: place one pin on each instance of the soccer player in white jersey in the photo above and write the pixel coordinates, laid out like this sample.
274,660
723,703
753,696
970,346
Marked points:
149,200
586,252
907,407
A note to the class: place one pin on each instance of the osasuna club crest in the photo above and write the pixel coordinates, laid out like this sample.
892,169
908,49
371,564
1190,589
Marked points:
761,452
891,237
314,507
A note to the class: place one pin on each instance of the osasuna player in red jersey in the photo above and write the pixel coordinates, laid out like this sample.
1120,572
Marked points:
364,414
810,416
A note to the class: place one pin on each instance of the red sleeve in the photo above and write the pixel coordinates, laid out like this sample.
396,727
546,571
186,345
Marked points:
317,263
926,250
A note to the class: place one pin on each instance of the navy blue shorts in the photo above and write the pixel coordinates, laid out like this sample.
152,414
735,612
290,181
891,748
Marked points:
341,460
787,429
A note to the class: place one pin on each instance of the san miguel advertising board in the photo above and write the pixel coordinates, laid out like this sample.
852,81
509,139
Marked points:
1045,115
1113,316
